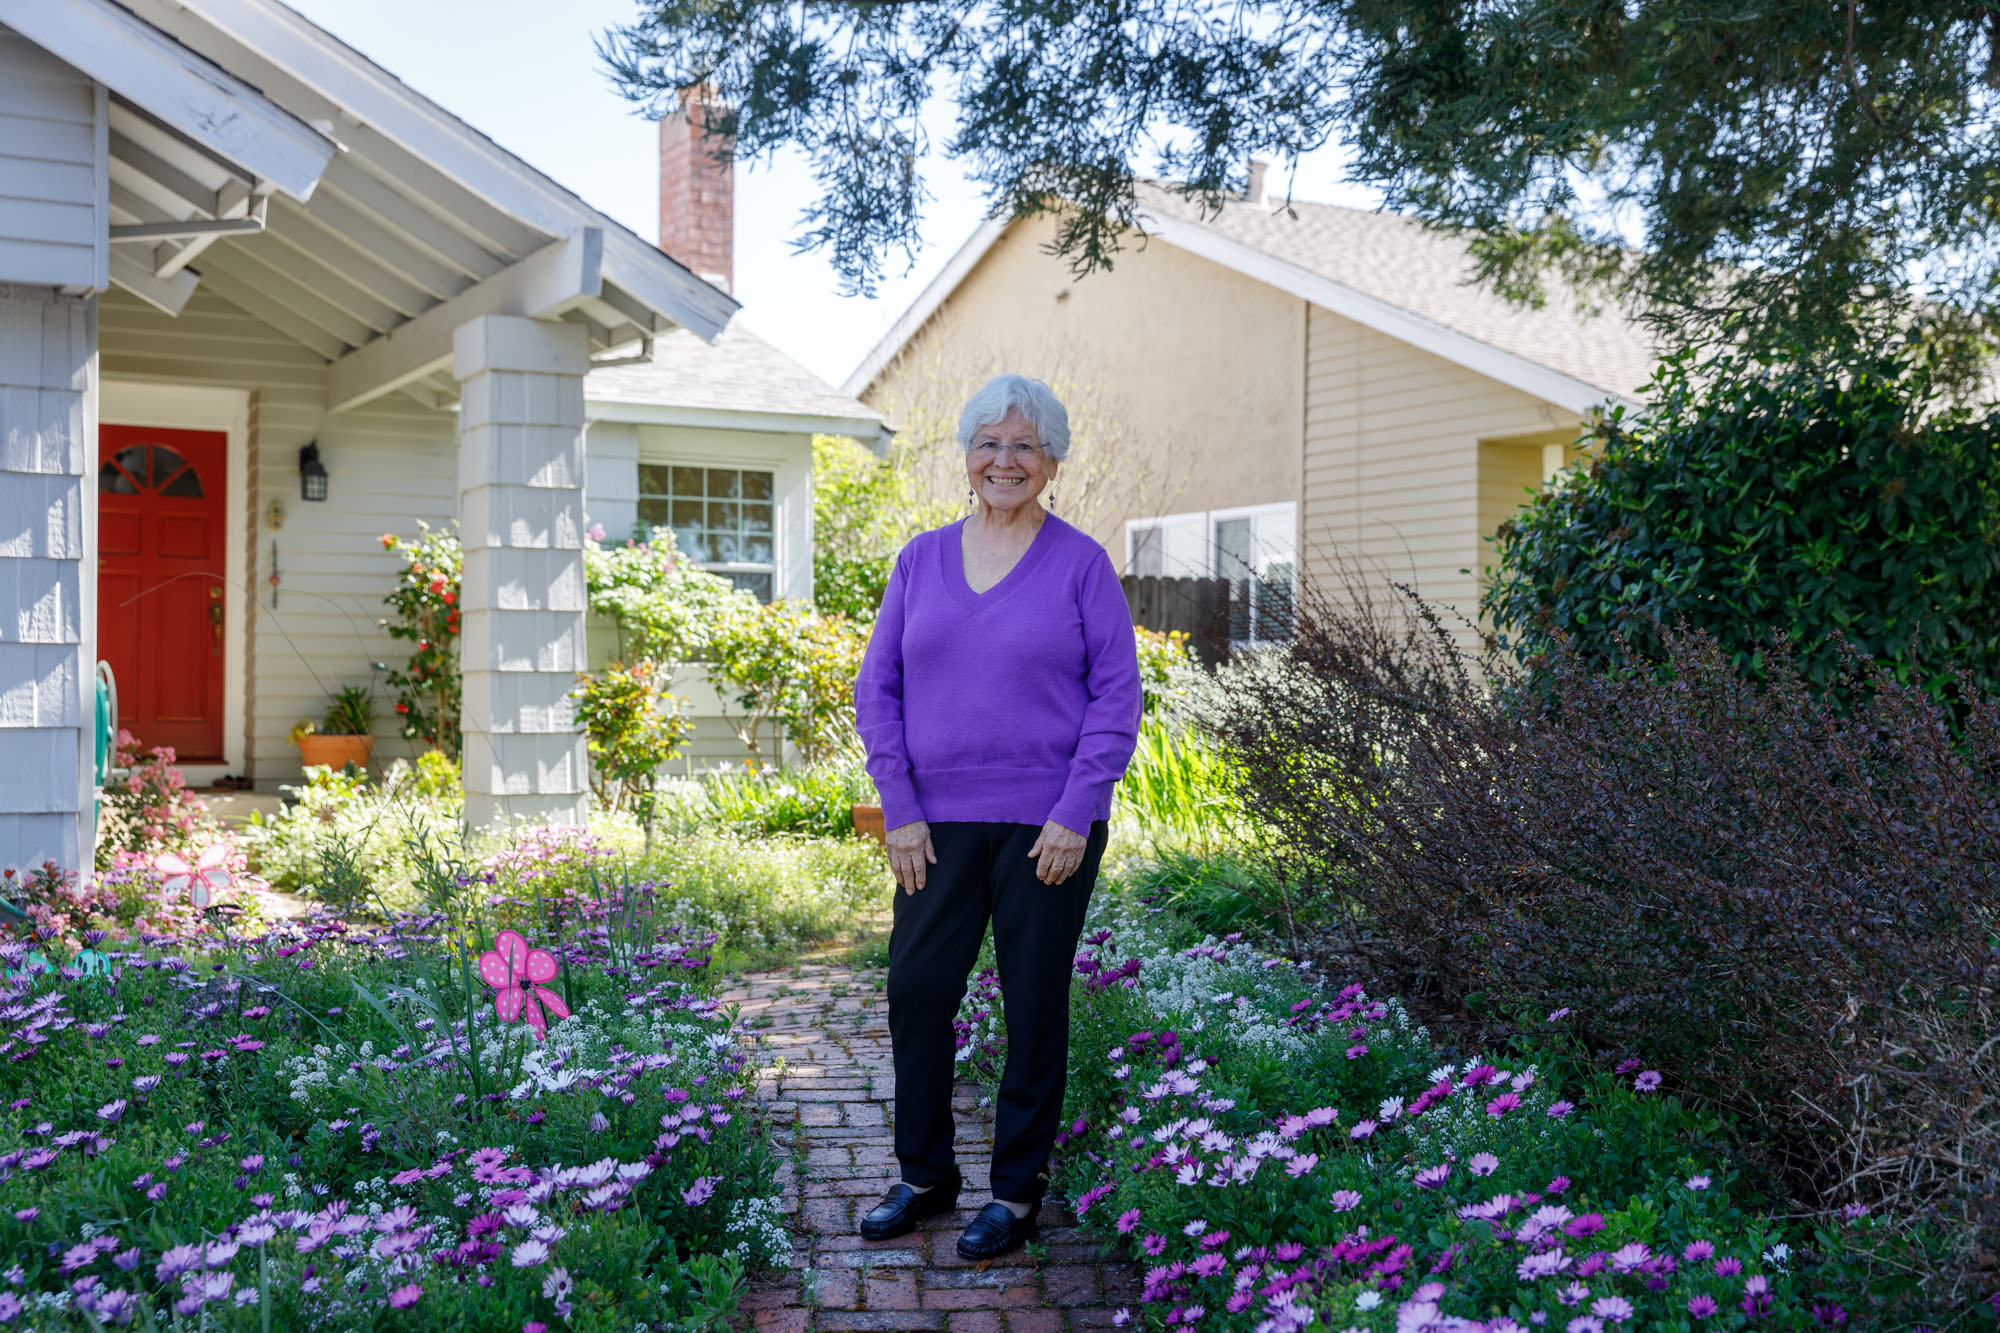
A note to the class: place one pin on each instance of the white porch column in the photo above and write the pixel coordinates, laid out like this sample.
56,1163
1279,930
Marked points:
48,594
520,482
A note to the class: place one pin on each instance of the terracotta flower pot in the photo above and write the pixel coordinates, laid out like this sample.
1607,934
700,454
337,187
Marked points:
868,823
335,751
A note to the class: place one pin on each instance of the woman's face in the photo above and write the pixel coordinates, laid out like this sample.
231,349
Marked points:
1006,464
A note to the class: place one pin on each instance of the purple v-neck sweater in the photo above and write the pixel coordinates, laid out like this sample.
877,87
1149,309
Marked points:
1017,705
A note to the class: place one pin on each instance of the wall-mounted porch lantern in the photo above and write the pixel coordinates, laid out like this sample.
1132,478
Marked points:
312,473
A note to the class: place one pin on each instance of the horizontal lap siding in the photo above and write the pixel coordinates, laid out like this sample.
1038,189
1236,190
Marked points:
52,223
1187,370
391,463
1393,461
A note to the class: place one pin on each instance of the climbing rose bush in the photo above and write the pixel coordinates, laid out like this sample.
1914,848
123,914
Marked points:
424,600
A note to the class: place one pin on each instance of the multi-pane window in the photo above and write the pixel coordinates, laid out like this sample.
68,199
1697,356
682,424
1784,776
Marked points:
723,517
1254,548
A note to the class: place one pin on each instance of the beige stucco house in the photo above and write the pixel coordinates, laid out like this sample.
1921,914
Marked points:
260,302
1292,380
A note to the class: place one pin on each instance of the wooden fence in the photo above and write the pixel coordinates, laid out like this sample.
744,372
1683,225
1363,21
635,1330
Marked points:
1198,608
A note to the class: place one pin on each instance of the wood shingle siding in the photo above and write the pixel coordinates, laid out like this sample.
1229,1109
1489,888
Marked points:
48,442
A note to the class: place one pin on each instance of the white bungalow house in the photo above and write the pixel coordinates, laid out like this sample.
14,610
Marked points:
260,303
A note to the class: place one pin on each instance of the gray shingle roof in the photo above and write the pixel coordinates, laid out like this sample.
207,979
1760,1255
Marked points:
739,372
1398,261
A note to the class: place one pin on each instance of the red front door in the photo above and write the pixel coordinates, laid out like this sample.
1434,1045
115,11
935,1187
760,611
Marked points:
160,581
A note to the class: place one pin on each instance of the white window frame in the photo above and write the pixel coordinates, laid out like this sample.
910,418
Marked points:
1136,528
774,568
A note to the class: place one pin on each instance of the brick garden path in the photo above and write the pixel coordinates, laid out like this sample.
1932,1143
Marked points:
827,1085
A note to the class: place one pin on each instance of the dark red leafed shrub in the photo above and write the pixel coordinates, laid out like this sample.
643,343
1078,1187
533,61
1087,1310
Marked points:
1791,901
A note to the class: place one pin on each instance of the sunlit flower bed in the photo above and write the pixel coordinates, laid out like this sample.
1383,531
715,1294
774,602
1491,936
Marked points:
333,1125
1283,1155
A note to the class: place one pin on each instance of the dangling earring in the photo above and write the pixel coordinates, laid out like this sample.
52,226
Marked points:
1052,497
970,502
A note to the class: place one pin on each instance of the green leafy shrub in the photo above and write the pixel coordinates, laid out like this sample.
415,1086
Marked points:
633,728
1826,506
428,688
789,669
666,608
346,837
864,510
1163,658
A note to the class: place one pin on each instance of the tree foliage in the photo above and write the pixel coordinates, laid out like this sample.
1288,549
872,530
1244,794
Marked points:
864,509
1813,166
1840,509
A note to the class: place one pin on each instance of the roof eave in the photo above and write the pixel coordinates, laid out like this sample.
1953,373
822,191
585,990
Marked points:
723,418
377,98
182,88
935,292
1553,386
1530,377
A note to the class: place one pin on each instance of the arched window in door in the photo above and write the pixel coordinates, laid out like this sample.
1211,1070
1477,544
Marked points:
142,468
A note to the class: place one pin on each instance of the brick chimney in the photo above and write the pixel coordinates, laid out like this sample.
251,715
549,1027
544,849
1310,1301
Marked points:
697,196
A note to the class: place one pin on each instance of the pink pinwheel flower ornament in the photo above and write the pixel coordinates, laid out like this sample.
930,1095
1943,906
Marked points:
203,877
515,972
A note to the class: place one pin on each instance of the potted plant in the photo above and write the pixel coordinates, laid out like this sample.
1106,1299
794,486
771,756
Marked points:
343,736
868,823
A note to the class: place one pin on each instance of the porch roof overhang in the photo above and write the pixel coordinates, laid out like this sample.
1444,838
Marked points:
416,223
192,151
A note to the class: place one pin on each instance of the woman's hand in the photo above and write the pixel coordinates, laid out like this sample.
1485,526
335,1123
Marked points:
910,851
1057,852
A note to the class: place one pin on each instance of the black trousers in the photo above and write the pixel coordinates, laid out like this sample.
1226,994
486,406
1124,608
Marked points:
982,871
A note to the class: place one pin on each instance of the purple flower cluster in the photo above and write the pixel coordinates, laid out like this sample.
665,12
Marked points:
1443,1222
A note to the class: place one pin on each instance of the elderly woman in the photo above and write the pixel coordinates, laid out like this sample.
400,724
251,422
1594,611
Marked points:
999,702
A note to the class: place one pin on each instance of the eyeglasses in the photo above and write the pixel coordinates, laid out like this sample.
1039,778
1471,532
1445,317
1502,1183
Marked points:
987,450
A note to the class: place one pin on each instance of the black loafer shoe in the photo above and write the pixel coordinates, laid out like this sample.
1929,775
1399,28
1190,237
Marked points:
901,1208
995,1231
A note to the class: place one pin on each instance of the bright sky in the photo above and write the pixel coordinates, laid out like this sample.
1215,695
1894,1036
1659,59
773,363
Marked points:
525,72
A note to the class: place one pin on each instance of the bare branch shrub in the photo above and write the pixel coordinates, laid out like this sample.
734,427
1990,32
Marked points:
1111,474
1787,895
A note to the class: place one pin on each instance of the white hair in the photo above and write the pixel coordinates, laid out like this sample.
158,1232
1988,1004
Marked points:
1036,401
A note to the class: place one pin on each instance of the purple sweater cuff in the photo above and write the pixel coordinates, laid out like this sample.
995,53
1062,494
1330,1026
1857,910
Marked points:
1078,810
899,803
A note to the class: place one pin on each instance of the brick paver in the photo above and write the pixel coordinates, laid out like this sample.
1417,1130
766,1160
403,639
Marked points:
827,1084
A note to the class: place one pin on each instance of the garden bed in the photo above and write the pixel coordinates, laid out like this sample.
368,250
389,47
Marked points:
331,1124
1285,1153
